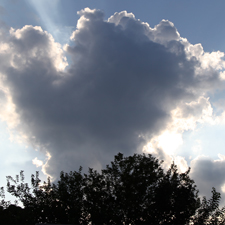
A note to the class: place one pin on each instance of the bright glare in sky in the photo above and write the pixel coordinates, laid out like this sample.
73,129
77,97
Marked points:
170,141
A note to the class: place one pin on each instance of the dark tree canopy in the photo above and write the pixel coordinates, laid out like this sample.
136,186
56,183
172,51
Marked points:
131,190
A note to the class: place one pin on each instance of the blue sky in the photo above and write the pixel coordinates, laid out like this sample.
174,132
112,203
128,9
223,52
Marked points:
85,121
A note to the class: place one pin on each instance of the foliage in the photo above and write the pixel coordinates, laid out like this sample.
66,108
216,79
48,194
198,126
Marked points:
3,204
131,190
50,203
209,211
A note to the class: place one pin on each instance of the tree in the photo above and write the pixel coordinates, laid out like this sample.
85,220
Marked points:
131,190
209,211
50,203
33,198
131,185
135,190
3,204
69,194
176,198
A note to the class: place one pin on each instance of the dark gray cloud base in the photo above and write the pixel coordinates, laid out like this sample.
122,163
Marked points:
123,82
209,173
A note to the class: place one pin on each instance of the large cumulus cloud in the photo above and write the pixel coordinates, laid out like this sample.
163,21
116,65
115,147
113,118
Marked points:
121,89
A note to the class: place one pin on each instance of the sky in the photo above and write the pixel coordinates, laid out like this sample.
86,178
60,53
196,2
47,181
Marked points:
81,81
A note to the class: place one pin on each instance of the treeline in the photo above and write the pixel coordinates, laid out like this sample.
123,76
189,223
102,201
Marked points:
131,190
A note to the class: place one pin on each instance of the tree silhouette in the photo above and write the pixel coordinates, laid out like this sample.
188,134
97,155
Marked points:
209,211
131,190
135,190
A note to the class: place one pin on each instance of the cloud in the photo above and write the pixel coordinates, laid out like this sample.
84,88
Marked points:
127,83
37,162
209,173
